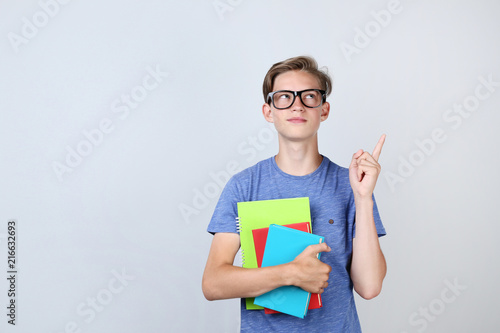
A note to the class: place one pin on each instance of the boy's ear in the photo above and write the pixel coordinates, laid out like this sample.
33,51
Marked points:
325,111
267,112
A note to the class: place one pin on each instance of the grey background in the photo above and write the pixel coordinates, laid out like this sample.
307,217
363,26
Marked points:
119,210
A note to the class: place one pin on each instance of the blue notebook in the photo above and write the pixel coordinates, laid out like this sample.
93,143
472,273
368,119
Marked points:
282,246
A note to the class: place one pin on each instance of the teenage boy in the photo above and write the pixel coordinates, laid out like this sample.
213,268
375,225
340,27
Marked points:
343,210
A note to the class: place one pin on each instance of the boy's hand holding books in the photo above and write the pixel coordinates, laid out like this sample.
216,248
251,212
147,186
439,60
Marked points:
308,272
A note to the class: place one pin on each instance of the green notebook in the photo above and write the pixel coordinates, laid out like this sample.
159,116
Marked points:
261,214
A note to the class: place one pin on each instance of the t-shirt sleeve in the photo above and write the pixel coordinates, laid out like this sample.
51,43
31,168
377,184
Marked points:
226,211
376,216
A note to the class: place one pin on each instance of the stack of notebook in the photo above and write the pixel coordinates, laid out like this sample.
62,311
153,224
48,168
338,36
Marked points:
274,232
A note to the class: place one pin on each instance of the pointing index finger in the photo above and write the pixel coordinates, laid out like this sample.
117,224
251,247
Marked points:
378,148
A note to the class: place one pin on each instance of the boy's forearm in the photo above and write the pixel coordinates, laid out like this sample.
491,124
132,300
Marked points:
228,281
368,267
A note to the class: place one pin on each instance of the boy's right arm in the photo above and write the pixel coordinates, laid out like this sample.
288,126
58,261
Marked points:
222,280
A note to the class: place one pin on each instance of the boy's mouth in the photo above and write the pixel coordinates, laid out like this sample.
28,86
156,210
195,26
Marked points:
296,120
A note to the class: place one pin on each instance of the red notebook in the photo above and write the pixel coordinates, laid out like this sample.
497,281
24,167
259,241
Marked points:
259,239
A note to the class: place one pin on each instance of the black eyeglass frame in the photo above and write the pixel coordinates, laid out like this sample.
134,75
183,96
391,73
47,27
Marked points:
295,94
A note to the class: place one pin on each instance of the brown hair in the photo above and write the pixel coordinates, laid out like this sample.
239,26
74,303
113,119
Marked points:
302,63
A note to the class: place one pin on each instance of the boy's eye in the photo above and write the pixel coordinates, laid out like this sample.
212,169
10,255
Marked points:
284,96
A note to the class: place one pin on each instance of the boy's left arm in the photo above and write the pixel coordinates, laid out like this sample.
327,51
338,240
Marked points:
368,265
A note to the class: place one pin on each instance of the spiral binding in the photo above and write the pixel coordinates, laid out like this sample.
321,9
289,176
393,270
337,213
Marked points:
238,228
242,257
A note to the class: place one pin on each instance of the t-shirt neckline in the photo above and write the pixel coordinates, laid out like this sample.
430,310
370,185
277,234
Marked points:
312,174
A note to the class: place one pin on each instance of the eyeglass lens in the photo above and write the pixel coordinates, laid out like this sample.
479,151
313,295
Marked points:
285,99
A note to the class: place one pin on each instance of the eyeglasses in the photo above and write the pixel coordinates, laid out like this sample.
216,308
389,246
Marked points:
283,99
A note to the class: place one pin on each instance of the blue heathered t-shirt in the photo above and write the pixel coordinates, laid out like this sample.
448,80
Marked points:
332,212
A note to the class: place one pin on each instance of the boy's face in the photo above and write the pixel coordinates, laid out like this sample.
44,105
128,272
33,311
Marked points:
298,122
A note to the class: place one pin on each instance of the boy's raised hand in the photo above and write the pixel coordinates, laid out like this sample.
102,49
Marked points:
364,170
